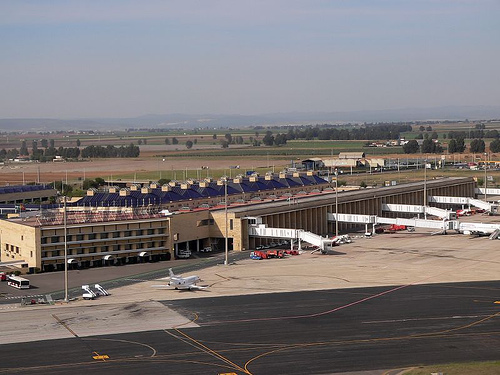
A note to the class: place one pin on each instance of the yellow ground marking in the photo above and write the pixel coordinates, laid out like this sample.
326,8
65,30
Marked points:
197,344
64,325
127,342
98,356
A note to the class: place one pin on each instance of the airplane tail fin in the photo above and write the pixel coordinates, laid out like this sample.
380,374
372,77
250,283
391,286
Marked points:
170,272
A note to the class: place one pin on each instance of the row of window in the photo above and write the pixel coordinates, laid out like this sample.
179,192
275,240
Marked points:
12,248
103,249
102,236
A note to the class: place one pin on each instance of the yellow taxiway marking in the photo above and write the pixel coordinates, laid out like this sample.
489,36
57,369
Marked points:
98,356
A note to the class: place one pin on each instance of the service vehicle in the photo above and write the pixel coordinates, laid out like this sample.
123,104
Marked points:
18,282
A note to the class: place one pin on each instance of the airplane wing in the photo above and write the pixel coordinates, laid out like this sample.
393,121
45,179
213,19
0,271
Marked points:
197,287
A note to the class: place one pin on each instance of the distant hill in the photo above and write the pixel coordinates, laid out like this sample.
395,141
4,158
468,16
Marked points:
177,120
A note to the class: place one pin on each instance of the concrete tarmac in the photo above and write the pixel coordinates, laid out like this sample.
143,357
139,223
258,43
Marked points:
418,314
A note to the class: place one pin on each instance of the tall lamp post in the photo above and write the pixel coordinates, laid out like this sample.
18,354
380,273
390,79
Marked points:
425,189
66,299
226,247
336,204
485,179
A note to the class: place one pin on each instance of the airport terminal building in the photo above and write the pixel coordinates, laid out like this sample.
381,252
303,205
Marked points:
113,227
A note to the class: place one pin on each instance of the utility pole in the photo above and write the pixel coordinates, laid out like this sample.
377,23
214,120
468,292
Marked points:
66,299
336,203
226,245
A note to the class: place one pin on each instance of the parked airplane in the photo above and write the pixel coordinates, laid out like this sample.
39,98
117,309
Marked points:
179,282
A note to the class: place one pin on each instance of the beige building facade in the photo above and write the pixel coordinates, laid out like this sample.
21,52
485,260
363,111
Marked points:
100,238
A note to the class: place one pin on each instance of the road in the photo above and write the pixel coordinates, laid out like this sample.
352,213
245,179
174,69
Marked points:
314,332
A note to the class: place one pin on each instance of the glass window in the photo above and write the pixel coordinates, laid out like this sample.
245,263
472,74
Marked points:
104,235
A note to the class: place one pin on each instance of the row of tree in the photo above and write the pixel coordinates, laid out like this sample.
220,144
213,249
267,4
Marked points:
454,146
110,151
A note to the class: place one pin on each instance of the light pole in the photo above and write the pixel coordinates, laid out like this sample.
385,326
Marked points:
485,179
66,299
336,204
425,188
226,247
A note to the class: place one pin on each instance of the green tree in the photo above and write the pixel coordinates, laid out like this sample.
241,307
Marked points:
167,141
452,146
24,149
411,147
477,145
163,181
175,141
189,144
460,144
495,145
45,143
78,143
268,139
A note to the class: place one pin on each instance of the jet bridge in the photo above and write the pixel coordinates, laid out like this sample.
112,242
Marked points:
441,225
257,229
414,209
490,207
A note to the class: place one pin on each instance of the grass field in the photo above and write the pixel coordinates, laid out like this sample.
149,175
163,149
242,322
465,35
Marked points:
470,368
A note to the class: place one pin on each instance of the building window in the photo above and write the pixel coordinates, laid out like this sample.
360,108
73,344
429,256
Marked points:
128,246
79,237
127,233
54,239
17,249
139,232
231,224
31,254
116,247
92,250
151,231
116,234
161,230
69,238
104,248
44,240
22,238
104,235
92,236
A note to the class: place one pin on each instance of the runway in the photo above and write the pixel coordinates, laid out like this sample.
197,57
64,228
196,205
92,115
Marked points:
318,332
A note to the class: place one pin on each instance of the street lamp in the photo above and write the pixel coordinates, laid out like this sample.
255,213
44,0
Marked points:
485,179
226,247
66,299
336,204
425,189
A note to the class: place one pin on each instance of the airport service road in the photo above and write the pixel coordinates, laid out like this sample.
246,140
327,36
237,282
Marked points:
313,332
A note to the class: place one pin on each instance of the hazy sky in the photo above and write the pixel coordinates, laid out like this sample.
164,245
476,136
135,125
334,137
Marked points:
120,58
